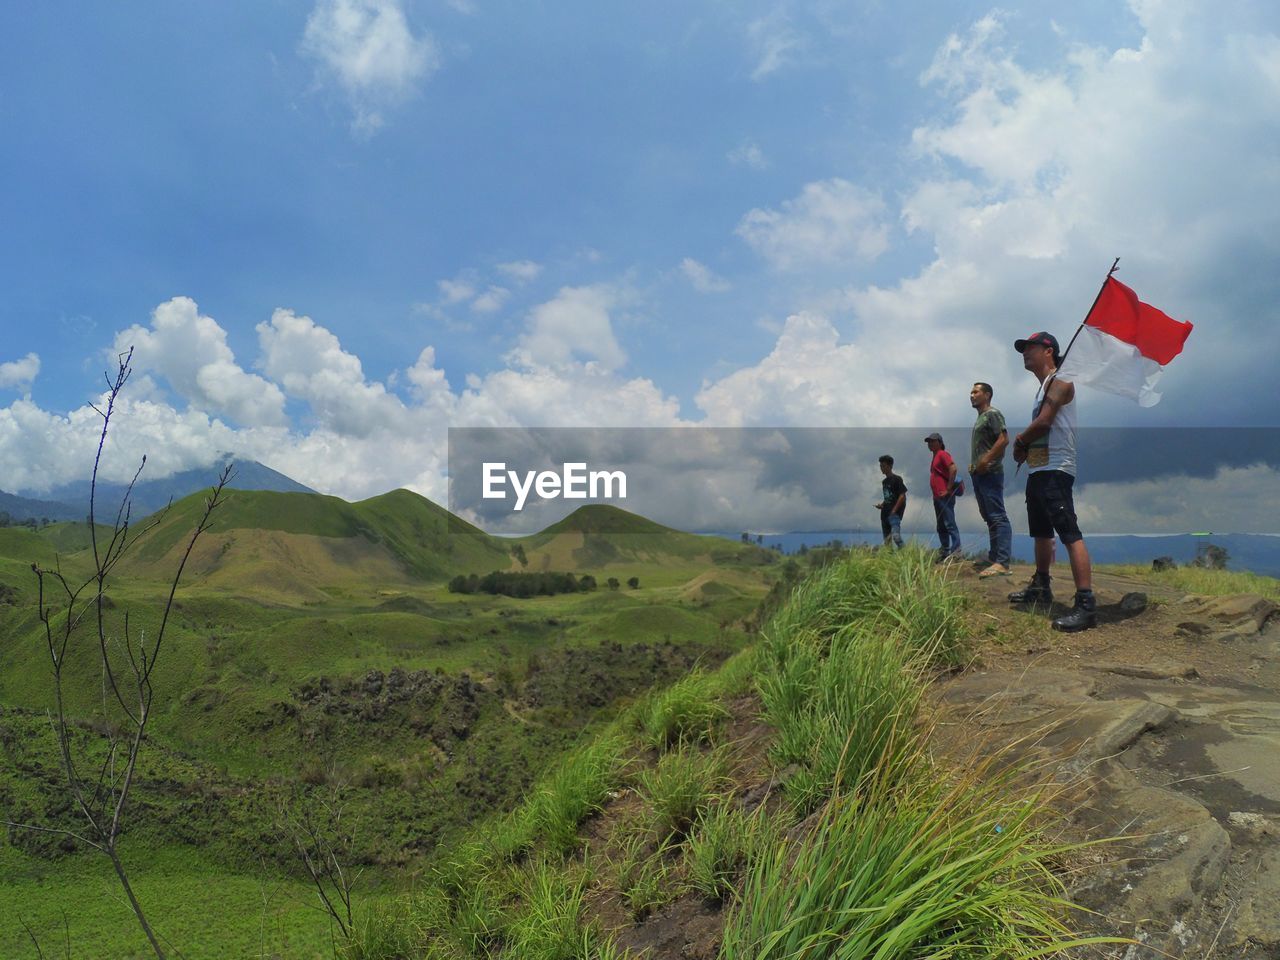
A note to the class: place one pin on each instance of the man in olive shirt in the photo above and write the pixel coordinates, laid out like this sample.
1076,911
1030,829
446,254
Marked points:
986,468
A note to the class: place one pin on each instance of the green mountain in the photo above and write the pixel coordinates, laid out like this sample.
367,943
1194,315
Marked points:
301,546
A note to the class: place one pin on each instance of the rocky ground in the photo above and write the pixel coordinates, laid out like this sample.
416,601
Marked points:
1163,727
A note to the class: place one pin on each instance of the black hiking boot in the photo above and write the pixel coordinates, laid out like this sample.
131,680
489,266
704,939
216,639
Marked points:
1037,591
1082,616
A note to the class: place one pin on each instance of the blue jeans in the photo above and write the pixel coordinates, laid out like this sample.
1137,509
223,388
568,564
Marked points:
891,527
944,508
988,490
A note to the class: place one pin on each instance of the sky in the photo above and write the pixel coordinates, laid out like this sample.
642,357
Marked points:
330,230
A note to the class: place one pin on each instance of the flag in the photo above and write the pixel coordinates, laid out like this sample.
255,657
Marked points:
1124,345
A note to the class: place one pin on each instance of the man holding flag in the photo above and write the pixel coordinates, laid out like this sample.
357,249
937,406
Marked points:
1048,447
1125,347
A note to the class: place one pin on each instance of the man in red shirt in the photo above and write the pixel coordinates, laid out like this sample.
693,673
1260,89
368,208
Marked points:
942,482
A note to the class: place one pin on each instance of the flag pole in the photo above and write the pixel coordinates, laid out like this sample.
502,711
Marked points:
1089,312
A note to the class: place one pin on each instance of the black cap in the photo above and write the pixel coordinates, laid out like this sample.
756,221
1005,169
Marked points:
933,436
1044,339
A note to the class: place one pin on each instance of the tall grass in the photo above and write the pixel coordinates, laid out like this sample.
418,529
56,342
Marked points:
841,715
382,932
902,862
905,868
575,789
550,926
648,878
902,591
680,786
688,710
724,842
841,662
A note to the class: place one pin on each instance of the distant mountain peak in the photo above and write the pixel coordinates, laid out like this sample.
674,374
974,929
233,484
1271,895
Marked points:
70,501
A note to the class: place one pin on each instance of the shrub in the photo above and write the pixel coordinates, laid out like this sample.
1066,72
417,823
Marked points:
843,715
550,925
385,932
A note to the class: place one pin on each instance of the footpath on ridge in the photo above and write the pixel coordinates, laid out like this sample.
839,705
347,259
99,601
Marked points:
1163,723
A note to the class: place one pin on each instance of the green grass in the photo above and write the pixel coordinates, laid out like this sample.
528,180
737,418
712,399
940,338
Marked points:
724,842
648,878
687,711
576,789
901,860
1214,583
841,662
909,867
905,860
682,784
842,715
255,913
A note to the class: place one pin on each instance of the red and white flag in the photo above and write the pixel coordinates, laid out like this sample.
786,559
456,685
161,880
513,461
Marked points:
1124,345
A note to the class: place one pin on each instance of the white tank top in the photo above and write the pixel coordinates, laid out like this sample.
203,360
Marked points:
1056,450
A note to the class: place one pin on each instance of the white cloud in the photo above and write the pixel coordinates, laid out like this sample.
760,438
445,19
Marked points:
578,395
1039,177
491,300
19,374
369,49
456,291
573,326
749,154
309,363
832,221
704,280
812,379
41,450
522,271
189,350
1157,505
775,43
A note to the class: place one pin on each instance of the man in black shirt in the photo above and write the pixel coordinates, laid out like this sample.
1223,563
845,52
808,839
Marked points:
893,504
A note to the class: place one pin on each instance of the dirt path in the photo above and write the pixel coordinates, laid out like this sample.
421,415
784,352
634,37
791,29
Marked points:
1167,719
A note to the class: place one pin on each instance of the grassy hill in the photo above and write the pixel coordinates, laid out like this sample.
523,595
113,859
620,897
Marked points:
302,547
785,805
606,537
313,650
295,547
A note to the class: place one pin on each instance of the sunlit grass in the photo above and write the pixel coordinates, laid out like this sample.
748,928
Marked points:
1214,583
905,867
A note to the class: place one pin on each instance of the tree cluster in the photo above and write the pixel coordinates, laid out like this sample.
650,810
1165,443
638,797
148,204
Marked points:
511,584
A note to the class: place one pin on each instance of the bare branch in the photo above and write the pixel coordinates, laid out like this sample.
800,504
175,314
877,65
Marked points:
101,803
32,934
59,831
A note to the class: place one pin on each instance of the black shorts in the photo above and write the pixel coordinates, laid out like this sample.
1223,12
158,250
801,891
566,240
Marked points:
1050,508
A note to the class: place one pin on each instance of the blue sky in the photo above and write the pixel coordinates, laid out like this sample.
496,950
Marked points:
333,229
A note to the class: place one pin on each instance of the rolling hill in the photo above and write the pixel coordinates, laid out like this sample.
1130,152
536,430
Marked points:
306,546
